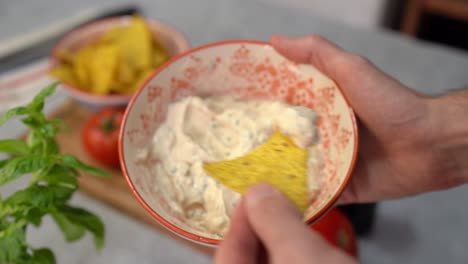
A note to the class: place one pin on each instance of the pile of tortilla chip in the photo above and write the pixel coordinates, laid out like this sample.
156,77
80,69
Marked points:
279,162
118,62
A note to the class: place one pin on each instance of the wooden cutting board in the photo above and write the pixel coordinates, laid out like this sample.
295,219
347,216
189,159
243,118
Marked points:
112,191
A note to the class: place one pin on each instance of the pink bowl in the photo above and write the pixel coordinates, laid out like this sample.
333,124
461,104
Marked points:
173,40
245,69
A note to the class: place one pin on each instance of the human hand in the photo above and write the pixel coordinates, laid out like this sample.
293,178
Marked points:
409,143
267,228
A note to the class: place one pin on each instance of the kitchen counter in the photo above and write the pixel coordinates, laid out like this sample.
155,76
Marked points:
429,228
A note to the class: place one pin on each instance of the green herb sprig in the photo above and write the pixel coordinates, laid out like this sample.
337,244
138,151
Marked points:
54,179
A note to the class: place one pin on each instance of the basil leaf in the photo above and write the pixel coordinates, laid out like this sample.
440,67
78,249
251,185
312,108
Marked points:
20,110
11,210
63,169
62,176
33,139
3,162
87,220
3,223
25,212
49,130
70,230
73,162
55,179
44,198
34,107
34,216
37,103
39,143
42,256
18,166
34,120
51,146
14,146
12,244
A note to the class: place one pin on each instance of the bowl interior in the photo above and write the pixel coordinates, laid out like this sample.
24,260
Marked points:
245,70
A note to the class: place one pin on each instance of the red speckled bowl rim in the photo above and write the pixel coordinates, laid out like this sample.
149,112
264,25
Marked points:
116,98
189,235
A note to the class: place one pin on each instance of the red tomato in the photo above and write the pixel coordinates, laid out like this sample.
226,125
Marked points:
100,135
337,229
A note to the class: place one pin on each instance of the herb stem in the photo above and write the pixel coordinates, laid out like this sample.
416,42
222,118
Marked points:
34,178
39,157
37,175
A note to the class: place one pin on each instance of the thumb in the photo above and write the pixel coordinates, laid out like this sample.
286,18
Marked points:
280,228
273,217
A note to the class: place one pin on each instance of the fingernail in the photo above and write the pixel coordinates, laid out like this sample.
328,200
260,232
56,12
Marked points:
258,193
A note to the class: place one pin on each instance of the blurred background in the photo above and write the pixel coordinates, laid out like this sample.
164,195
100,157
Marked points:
422,43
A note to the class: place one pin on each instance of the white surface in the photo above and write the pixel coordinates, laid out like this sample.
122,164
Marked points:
427,229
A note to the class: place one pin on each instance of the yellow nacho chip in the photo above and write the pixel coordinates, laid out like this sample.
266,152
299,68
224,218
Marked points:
135,44
64,73
279,162
116,62
140,80
160,56
81,69
103,65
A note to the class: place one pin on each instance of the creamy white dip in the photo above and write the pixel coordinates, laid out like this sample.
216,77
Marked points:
198,130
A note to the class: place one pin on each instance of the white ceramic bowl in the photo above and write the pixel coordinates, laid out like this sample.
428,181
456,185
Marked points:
246,69
173,40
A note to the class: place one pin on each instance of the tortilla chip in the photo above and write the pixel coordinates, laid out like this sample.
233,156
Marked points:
159,57
135,44
279,162
65,74
81,69
117,62
103,65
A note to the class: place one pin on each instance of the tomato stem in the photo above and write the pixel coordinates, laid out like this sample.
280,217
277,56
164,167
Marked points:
108,124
